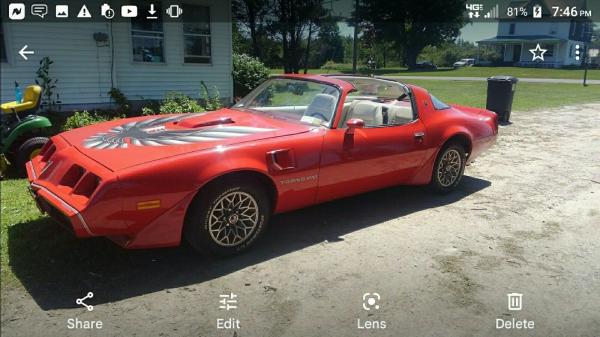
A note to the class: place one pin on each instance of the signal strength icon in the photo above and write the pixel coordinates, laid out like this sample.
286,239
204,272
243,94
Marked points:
492,14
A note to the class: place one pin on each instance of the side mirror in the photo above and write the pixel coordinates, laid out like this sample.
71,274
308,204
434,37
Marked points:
354,123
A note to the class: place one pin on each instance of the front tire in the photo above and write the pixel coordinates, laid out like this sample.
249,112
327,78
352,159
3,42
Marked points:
449,168
227,218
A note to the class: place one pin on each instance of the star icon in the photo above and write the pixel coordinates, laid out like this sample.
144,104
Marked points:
538,53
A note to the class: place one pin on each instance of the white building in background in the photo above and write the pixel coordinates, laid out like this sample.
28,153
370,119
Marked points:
144,59
558,36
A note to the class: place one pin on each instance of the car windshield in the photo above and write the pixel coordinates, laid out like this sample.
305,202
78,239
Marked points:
375,88
300,100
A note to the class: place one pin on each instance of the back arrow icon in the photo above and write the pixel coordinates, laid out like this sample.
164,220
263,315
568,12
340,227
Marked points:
24,52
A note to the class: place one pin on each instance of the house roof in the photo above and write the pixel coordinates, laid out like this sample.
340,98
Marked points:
521,38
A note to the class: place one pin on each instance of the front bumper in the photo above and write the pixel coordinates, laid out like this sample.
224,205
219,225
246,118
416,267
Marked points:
58,209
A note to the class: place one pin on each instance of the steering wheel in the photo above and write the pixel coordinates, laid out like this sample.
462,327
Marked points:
320,115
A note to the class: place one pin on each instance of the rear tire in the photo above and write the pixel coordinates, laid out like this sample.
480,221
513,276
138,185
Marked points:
227,217
29,149
449,168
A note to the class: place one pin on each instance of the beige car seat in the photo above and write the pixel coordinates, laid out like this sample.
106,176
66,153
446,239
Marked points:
398,115
369,112
321,106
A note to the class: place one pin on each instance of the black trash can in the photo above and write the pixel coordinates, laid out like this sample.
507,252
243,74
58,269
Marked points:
500,92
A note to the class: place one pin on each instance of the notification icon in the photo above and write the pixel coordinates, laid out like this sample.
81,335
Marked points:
16,11
62,11
39,9
129,11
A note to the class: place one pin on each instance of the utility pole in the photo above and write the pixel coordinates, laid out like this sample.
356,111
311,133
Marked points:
585,66
355,40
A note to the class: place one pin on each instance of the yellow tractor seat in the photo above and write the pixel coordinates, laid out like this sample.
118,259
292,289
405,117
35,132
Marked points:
31,101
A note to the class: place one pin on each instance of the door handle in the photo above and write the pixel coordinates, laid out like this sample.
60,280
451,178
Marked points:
419,135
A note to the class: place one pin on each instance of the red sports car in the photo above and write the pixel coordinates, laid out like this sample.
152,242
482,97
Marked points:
215,178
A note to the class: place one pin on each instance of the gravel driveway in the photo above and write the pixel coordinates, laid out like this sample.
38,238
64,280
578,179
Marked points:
525,220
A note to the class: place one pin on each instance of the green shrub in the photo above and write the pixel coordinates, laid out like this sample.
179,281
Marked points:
81,119
213,102
329,66
176,102
147,111
248,73
120,98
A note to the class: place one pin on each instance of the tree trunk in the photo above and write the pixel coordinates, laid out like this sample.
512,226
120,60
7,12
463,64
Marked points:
410,56
253,32
307,48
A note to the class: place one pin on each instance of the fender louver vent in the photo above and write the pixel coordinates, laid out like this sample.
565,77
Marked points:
87,185
72,176
47,151
82,183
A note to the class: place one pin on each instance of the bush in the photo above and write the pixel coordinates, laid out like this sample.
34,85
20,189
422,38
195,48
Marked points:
248,73
147,111
329,66
81,119
176,102
120,98
213,102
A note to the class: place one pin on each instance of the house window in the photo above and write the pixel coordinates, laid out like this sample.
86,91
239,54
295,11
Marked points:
2,45
553,28
511,29
196,34
147,39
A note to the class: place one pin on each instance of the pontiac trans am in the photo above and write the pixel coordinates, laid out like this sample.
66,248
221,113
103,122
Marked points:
216,178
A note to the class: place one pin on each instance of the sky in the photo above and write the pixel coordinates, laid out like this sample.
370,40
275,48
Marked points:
472,32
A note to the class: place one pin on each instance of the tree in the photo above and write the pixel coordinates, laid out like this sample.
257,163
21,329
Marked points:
328,46
412,25
292,18
253,15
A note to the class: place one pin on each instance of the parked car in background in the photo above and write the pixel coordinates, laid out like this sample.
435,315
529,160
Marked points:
484,63
464,63
425,65
216,178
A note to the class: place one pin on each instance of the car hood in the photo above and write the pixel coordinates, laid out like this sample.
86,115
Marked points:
123,143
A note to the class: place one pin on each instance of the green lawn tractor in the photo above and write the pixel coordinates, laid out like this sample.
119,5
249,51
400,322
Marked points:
23,130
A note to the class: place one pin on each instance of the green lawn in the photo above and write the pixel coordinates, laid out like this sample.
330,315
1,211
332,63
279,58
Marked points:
474,72
34,249
528,96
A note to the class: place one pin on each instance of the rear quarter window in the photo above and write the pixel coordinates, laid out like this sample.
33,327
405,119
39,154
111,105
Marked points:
437,104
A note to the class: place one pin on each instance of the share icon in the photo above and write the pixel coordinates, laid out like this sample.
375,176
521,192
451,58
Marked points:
80,301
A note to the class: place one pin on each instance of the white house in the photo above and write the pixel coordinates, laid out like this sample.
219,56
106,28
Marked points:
143,58
559,36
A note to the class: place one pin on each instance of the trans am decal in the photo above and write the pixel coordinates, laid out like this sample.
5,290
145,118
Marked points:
152,132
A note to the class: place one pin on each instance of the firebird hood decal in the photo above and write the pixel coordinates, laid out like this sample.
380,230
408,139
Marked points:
152,132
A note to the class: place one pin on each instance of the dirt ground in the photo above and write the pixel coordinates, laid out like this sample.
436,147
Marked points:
526,219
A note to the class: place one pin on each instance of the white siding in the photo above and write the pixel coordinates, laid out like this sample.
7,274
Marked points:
147,80
84,71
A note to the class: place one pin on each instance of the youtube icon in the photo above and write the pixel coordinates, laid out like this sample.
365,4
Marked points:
129,11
